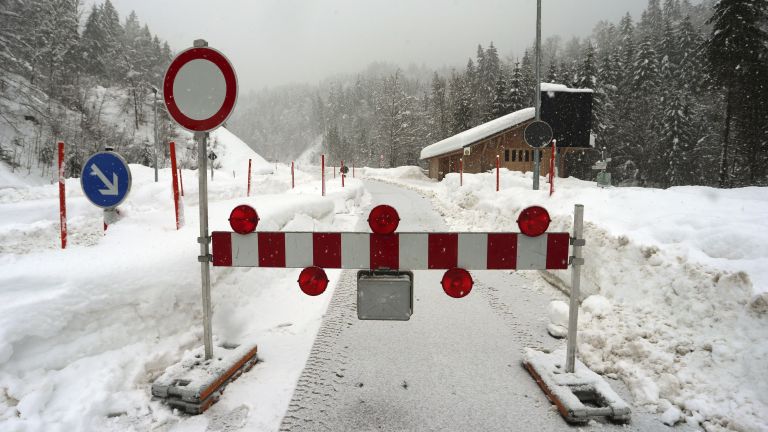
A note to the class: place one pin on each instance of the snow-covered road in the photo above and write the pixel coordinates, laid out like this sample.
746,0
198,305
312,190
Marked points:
456,365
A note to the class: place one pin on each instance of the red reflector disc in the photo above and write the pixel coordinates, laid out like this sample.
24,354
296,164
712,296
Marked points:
313,281
533,221
383,219
457,282
243,219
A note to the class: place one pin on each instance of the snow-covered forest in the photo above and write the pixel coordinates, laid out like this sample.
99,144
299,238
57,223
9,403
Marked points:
681,98
81,75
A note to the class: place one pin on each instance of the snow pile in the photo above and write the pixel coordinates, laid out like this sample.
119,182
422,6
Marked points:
558,318
684,276
403,173
232,154
85,331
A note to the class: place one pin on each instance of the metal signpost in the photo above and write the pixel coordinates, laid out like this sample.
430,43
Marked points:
536,152
106,181
200,91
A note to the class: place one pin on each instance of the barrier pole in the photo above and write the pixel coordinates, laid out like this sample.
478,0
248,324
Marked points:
175,183
576,262
461,172
322,171
181,183
497,173
293,179
248,193
62,197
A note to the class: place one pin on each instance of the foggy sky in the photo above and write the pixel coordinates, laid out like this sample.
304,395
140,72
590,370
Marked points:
273,42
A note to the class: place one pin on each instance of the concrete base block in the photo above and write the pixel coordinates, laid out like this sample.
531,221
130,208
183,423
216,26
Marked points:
580,396
194,384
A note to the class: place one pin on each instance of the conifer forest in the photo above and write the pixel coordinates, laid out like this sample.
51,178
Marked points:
680,93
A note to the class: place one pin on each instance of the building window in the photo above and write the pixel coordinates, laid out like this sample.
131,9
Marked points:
527,156
514,155
520,156
506,155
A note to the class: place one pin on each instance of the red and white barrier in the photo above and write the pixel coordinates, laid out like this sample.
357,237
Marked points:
411,251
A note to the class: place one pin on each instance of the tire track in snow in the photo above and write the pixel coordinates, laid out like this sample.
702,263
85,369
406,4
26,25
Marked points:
325,368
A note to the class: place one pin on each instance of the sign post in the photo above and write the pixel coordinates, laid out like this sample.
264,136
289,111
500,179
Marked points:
200,91
536,152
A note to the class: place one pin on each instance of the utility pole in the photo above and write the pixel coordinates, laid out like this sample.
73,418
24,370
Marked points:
536,151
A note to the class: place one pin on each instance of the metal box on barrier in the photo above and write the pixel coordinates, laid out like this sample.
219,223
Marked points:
384,295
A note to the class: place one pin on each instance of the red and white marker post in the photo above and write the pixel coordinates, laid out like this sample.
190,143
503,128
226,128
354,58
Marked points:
62,197
248,192
322,173
175,185
181,182
552,168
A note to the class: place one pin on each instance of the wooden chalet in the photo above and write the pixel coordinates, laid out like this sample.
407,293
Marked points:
479,146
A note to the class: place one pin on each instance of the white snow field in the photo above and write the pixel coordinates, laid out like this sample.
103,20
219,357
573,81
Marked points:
682,279
84,331
677,281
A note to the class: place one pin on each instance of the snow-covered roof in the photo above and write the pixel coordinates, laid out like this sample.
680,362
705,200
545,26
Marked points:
477,133
552,87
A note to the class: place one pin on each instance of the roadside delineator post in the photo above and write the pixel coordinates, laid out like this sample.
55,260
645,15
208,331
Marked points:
62,197
175,184
552,168
322,173
497,173
181,182
461,172
341,172
293,178
248,193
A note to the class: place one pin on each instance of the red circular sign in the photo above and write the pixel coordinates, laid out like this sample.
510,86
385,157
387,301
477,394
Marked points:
219,115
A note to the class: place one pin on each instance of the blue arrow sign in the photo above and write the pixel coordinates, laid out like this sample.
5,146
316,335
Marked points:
106,179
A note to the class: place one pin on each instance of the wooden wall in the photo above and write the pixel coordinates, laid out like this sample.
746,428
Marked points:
514,154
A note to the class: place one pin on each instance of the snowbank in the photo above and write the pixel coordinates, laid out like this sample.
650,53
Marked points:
685,272
233,154
85,331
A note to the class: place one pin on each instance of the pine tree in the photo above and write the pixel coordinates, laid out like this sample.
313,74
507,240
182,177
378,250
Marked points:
677,142
502,100
439,114
737,50
517,94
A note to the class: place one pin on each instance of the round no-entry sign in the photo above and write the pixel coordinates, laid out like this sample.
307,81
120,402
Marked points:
538,134
200,89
